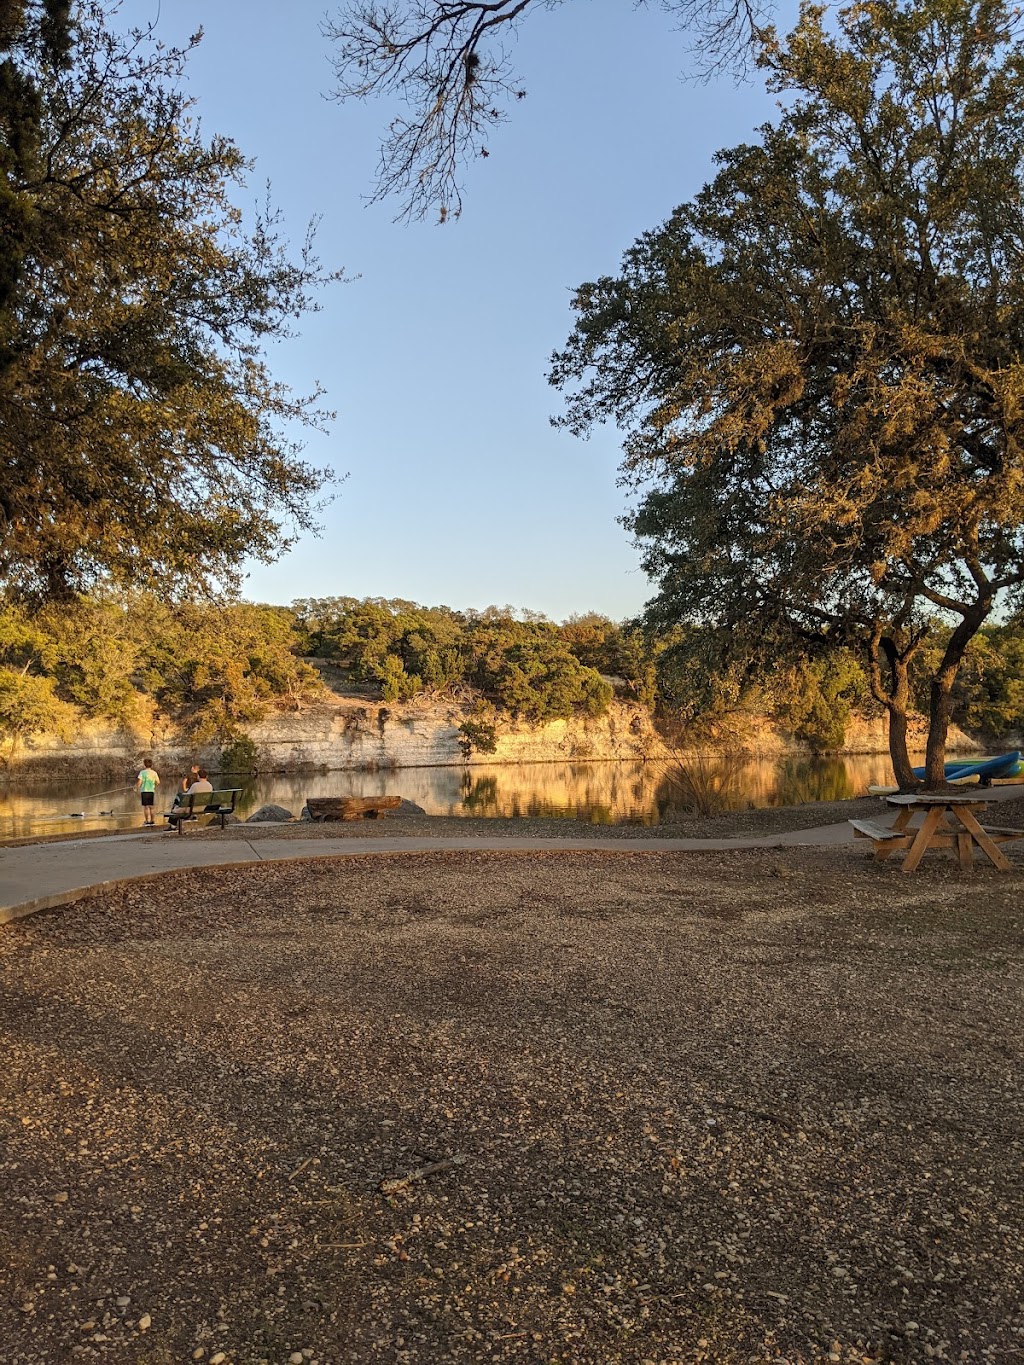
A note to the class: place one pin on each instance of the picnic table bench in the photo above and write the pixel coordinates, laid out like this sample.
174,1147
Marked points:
220,802
949,822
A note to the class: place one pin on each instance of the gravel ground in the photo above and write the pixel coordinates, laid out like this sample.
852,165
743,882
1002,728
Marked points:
609,1109
768,820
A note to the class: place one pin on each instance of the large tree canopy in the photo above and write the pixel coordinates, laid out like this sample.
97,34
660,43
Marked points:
447,64
33,38
139,422
820,360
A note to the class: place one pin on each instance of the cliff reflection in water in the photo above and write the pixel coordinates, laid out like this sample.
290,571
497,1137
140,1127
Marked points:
598,793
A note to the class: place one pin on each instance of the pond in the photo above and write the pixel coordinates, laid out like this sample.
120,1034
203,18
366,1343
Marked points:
599,793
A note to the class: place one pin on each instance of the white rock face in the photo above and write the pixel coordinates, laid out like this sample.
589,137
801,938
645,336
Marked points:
410,736
348,734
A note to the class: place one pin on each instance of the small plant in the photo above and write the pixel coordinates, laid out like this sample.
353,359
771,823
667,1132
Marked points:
240,756
479,735
705,785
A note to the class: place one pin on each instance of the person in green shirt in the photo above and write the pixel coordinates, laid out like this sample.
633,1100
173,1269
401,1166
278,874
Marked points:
147,782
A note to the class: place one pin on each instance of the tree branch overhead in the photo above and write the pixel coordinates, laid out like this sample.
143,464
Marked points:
448,67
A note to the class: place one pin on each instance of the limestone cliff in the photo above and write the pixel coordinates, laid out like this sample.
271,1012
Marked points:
344,732
357,734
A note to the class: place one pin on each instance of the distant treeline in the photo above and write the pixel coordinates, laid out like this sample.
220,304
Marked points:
216,667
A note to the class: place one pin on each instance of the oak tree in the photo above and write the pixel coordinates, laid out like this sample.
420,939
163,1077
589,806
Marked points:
819,361
140,424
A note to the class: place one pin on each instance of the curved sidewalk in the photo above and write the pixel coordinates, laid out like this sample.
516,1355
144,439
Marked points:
43,876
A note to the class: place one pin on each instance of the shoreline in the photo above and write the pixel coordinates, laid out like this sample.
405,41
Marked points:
763,820
63,770
759,822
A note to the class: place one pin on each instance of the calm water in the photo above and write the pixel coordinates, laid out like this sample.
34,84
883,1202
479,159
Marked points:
601,793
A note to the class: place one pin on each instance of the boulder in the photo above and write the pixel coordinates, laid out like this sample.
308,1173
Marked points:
269,815
409,808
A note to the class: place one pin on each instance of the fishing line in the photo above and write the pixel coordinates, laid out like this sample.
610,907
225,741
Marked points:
96,815
46,817
114,791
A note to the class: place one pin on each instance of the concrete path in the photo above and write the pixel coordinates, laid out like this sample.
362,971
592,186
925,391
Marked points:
41,876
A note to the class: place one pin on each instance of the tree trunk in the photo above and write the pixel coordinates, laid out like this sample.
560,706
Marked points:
905,779
940,691
893,692
938,728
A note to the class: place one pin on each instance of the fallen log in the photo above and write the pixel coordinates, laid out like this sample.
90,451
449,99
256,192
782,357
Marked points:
351,807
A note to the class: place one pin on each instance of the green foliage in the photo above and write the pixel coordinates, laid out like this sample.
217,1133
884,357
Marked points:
213,667
218,668
713,685
988,694
240,756
93,653
619,651
30,705
527,670
526,666
223,666
34,42
480,735
139,423
816,697
701,685
392,642
819,360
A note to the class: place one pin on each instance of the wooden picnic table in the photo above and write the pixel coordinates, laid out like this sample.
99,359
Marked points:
949,822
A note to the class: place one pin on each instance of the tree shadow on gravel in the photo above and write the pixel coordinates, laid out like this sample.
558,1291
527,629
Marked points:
772,1134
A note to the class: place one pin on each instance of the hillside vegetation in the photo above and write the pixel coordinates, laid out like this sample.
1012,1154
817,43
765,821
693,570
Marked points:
217,667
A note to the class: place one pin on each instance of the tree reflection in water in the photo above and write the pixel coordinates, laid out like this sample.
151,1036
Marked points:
597,793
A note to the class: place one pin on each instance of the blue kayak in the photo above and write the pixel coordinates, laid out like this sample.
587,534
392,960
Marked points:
1006,765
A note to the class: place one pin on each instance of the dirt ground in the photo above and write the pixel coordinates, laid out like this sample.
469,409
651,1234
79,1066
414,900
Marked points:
728,824
610,1109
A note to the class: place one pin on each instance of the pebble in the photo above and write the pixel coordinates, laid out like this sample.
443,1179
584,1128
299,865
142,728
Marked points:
218,1359
145,1322
295,1358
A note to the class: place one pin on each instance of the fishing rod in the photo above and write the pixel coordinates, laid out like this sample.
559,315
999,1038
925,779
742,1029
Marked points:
114,791
96,796
47,816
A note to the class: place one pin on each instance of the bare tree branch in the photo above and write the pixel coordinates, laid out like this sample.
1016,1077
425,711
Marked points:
446,63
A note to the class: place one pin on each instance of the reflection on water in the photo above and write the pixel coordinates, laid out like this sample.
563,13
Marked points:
599,793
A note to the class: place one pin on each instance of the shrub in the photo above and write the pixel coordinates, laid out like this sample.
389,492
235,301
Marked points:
240,756
479,735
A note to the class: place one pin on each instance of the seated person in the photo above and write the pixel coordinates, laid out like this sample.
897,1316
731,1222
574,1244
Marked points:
201,784
191,776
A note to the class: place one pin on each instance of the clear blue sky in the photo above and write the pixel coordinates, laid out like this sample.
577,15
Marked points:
459,491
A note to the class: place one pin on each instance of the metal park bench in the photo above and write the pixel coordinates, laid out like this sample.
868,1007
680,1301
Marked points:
216,803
